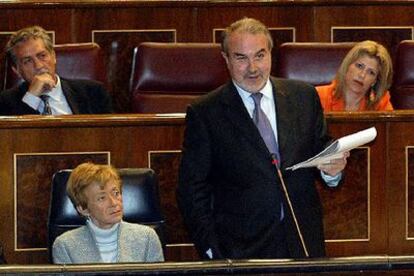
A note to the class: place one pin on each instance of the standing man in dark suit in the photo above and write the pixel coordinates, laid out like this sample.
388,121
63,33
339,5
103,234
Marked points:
43,92
229,191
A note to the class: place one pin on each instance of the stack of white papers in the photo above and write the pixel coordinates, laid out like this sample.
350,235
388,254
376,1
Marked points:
338,147
181,115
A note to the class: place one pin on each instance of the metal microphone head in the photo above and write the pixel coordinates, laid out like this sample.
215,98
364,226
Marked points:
275,160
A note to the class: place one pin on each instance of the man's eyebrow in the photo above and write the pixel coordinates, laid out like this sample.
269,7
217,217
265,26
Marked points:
24,59
29,57
261,51
239,54
243,55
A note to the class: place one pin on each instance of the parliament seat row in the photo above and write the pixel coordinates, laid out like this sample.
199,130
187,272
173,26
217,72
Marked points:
317,63
166,77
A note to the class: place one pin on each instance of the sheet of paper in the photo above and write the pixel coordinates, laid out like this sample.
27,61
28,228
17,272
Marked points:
339,146
181,115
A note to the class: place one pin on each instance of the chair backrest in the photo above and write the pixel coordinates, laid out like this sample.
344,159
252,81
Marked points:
74,61
314,62
166,77
402,90
140,201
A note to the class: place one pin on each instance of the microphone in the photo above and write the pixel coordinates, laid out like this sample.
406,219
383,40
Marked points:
276,163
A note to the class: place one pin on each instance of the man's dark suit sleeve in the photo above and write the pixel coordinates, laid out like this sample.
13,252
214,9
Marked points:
194,193
2,258
11,101
86,96
104,103
322,138
3,107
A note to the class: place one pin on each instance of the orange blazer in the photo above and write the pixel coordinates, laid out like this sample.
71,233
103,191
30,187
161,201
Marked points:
329,103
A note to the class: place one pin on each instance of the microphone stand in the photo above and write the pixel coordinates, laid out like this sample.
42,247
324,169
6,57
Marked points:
275,162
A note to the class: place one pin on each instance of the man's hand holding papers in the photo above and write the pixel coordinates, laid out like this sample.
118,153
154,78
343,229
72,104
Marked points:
334,166
332,159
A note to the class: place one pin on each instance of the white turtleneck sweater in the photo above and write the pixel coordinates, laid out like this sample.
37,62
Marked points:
106,241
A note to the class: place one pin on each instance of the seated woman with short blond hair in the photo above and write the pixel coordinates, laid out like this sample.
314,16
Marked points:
95,191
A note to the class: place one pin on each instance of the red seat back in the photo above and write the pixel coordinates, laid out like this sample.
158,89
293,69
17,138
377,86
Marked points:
166,77
402,90
315,62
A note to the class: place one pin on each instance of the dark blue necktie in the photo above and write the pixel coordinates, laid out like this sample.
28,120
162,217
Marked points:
46,110
263,125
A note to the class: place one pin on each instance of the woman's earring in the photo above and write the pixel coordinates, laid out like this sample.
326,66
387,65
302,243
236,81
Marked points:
372,94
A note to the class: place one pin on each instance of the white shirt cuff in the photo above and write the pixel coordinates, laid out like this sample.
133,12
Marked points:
31,100
331,181
209,253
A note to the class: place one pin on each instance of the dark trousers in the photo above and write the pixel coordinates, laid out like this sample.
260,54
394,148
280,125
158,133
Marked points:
271,245
2,259
278,249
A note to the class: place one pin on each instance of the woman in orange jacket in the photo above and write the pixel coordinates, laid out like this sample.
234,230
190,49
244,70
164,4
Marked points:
362,81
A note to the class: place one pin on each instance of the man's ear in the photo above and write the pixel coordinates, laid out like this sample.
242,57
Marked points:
53,53
16,71
225,56
83,212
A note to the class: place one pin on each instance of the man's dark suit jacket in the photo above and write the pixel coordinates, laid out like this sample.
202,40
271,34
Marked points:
2,259
83,96
229,193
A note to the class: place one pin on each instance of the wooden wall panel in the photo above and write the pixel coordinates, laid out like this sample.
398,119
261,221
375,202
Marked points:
410,192
361,13
178,243
399,188
144,16
390,37
274,15
165,164
351,223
